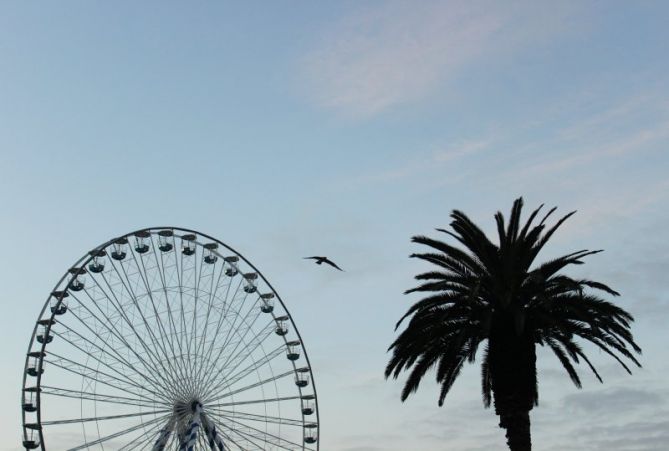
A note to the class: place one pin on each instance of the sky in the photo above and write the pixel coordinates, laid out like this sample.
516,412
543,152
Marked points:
288,129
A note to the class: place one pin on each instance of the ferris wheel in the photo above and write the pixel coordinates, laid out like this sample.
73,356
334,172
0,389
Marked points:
167,339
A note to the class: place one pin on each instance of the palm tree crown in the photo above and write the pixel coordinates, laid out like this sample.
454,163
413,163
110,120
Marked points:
494,293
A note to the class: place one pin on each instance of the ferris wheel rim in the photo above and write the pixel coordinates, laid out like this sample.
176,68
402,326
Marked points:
85,260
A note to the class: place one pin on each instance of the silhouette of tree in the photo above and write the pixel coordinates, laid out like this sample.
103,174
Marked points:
492,293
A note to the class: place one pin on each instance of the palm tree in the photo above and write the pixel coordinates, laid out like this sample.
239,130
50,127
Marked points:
493,293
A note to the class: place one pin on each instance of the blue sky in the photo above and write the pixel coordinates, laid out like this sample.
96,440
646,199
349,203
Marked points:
297,128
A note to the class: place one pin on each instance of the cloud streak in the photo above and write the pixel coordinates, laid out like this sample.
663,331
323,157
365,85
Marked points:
619,400
424,163
402,51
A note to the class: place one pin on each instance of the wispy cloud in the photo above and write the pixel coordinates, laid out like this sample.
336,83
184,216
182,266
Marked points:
399,52
635,141
607,120
619,126
462,149
619,399
424,163
650,434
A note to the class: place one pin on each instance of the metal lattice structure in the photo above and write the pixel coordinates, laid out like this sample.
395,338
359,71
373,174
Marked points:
167,339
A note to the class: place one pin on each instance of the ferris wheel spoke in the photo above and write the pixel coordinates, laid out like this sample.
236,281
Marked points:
257,364
156,439
234,360
185,334
273,378
210,304
250,431
182,334
178,372
138,442
219,382
237,299
221,320
98,397
164,435
127,285
155,360
113,299
118,434
160,264
91,355
183,329
103,418
143,275
99,376
208,366
244,438
228,441
255,401
255,385
216,373
213,435
113,352
231,424
197,278
246,331
264,332
149,329
178,333
202,440
103,352
259,418
110,326
120,310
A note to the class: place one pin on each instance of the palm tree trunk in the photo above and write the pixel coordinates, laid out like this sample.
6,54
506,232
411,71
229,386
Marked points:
514,380
517,425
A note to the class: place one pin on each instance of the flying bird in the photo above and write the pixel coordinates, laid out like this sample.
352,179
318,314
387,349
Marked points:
320,260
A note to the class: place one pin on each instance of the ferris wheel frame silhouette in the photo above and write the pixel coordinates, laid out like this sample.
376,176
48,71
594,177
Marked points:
121,341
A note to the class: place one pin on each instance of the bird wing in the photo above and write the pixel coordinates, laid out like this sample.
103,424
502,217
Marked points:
312,258
331,263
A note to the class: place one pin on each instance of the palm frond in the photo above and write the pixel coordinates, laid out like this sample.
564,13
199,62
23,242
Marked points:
470,261
528,224
486,381
557,350
514,221
437,300
547,235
